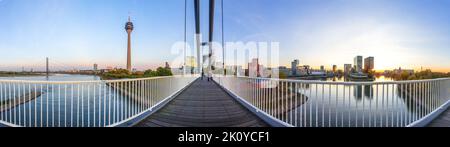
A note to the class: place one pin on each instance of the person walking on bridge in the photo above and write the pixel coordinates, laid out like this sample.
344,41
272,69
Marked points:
209,75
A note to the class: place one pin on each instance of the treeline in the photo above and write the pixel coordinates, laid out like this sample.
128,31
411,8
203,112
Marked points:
427,74
125,74
10,73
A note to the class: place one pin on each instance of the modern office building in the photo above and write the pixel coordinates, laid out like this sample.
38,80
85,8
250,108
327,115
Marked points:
358,63
129,28
368,64
95,67
334,68
254,68
347,68
322,68
294,66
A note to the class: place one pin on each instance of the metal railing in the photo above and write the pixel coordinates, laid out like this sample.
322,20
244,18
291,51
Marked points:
83,103
302,103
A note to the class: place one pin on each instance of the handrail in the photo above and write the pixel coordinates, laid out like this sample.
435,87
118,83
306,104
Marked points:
344,83
101,103
89,81
304,103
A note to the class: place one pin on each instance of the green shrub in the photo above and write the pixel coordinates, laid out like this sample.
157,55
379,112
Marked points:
125,74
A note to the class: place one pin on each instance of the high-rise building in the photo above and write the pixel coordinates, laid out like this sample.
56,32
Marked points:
347,68
358,61
95,67
322,68
294,65
368,64
129,28
334,68
253,68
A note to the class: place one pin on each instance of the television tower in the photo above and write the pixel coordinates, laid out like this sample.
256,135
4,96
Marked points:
129,28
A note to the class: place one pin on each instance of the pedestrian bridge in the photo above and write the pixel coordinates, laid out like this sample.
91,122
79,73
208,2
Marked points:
228,101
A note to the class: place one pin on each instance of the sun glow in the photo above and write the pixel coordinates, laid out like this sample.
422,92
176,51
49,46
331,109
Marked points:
389,44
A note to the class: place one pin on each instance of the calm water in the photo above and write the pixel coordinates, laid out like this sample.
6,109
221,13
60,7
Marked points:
364,105
66,104
343,79
56,77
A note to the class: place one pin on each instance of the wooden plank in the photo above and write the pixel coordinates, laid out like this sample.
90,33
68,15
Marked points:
203,104
206,118
441,121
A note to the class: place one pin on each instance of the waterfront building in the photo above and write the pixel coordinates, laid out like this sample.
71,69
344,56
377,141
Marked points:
95,67
294,68
254,68
368,64
347,68
358,63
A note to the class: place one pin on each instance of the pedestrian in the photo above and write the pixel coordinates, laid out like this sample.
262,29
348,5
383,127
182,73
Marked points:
203,74
209,75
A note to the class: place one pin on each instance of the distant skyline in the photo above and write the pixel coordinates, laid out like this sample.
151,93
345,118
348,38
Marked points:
78,33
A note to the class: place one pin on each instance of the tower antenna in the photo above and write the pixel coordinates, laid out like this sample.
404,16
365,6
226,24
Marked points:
129,28
129,16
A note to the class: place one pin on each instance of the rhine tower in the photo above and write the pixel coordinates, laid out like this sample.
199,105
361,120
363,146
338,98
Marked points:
129,28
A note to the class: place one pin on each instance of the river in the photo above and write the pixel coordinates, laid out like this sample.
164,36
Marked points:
67,104
381,105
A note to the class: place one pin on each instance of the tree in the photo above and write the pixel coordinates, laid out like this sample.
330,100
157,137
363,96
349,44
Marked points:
163,72
119,71
371,73
123,73
150,73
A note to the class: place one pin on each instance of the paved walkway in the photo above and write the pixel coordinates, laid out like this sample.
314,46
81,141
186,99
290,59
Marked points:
442,120
203,104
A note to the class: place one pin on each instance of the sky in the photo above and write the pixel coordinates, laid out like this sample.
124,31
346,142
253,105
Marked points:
75,34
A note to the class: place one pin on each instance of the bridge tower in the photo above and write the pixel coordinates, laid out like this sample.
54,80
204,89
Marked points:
47,70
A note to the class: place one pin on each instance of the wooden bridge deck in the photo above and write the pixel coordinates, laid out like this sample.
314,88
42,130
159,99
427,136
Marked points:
203,104
442,120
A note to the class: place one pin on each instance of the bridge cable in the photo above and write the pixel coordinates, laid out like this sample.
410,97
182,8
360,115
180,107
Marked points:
223,43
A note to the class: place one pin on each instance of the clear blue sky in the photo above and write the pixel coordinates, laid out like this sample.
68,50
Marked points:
78,33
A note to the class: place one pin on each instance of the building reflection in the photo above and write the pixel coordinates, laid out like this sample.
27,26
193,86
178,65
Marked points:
415,97
358,91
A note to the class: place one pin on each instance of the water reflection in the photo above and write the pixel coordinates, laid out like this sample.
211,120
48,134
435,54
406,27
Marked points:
416,96
65,104
368,105
358,91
